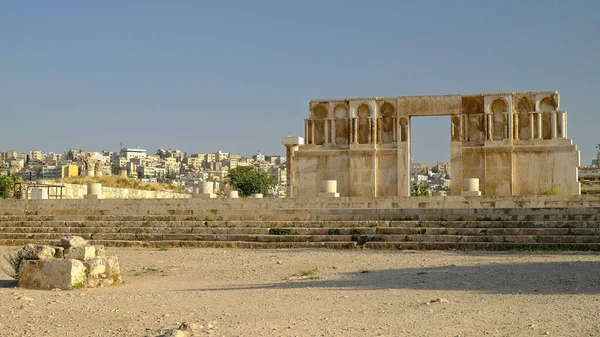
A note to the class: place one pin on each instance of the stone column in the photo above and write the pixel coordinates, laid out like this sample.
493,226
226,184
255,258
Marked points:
94,191
487,126
306,130
333,134
471,187
516,126
379,130
370,128
531,125
561,122
291,145
509,125
395,129
312,131
465,119
553,124
354,130
539,125
326,131
490,126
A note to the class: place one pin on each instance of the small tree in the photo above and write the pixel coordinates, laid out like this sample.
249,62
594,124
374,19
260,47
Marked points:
7,184
420,190
248,180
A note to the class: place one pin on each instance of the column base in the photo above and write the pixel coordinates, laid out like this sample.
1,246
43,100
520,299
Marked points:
204,196
329,195
470,194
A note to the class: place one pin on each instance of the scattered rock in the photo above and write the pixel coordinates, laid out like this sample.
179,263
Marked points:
175,333
439,300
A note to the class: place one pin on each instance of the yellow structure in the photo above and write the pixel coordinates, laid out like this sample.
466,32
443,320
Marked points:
70,171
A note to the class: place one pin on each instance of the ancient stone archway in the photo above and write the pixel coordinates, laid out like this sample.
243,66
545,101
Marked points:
514,143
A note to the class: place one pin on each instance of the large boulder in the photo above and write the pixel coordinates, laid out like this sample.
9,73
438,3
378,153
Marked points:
52,273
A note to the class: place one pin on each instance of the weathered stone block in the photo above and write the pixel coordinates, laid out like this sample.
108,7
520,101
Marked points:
113,271
100,250
36,252
52,273
95,266
83,253
72,241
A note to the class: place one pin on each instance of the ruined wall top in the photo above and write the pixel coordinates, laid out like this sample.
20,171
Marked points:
326,100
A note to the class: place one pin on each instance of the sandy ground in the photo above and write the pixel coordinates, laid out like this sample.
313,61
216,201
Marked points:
310,292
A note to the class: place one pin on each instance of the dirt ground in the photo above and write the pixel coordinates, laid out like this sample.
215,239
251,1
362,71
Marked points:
314,292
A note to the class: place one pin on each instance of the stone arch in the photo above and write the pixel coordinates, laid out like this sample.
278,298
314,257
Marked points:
340,112
319,114
546,105
499,108
387,112
472,107
525,107
403,129
363,113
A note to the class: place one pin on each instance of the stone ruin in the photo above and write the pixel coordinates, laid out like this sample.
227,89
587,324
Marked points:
72,264
514,143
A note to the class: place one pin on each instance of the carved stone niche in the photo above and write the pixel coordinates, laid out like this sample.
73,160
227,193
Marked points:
472,108
524,108
341,134
387,112
319,114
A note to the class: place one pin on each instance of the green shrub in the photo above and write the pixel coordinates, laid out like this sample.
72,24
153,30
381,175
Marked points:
334,231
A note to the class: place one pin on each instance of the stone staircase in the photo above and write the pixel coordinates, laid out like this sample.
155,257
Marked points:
569,223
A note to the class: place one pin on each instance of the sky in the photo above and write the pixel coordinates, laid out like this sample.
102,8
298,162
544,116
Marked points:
236,76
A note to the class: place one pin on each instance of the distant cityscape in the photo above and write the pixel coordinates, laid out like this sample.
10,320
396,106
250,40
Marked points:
185,171
175,167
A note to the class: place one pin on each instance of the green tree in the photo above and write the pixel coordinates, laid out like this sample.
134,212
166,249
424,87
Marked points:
7,184
420,190
248,180
70,155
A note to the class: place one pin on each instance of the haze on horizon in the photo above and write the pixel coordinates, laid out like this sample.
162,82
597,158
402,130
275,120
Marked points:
237,76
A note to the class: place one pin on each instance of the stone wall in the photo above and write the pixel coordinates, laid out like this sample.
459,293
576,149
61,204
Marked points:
77,191
185,206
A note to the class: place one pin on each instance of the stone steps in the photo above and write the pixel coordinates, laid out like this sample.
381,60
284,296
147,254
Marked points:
321,214
394,223
348,230
363,236
390,225
502,246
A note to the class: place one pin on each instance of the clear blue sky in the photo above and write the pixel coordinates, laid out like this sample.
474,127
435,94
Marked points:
237,75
